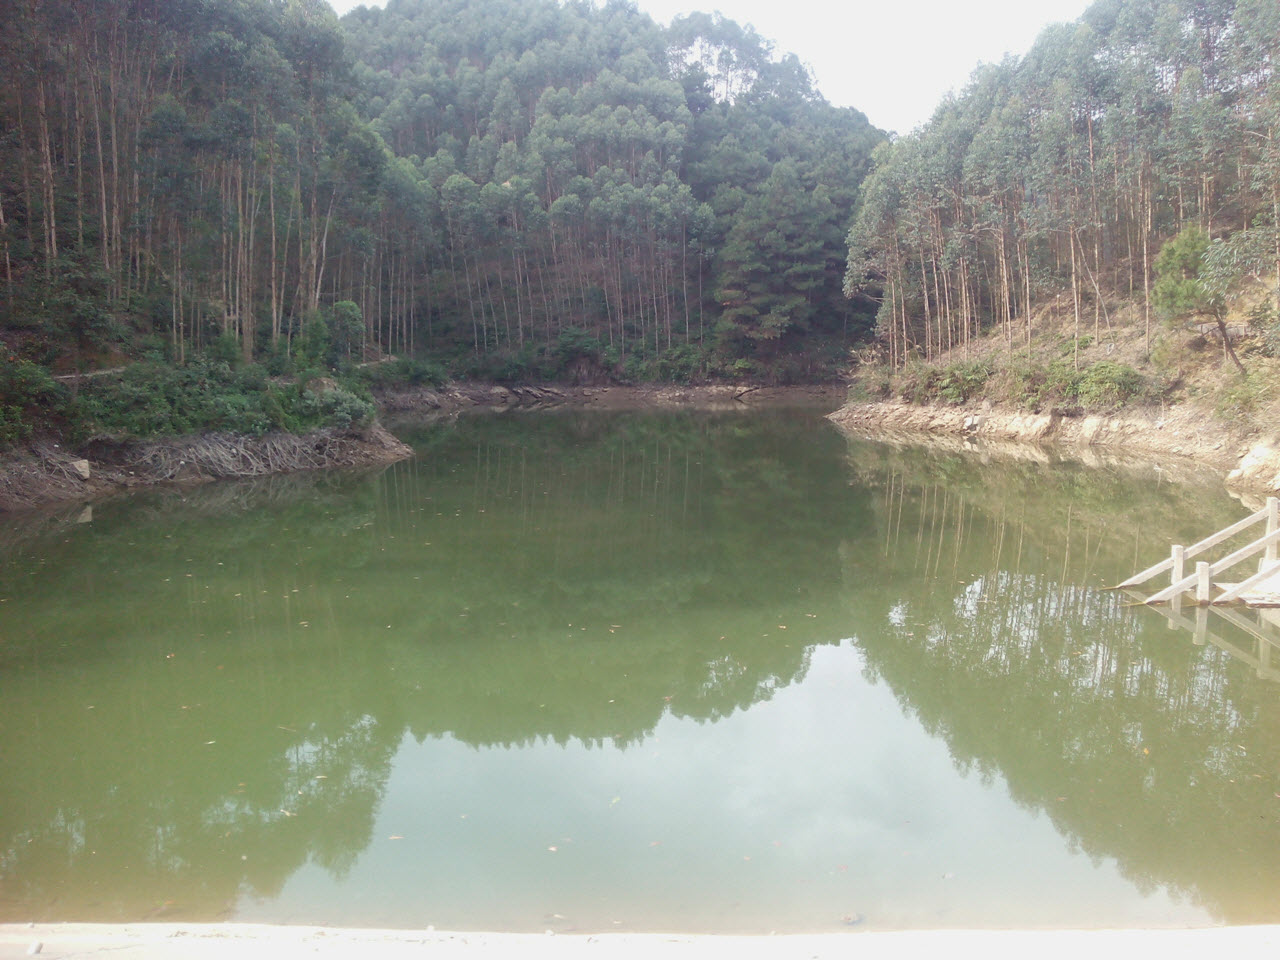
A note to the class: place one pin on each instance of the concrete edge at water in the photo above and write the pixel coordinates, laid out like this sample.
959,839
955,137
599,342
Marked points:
162,941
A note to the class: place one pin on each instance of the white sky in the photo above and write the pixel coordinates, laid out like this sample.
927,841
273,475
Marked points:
892,59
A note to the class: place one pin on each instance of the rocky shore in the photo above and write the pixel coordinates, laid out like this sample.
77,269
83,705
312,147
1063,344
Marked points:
47,473
1248,456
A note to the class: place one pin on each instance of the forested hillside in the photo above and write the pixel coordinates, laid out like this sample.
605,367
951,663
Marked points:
514,189
1062,175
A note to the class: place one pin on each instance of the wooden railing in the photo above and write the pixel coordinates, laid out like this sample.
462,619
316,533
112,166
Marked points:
1252,636
1202,581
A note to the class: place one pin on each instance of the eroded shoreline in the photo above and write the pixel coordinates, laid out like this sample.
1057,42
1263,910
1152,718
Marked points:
1246,456
46,475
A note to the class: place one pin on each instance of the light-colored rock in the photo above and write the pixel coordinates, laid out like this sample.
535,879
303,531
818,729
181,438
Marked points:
1260,466
1173,434
1091,428
81,467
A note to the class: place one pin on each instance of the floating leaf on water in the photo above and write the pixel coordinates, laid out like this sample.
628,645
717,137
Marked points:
553,849
395,836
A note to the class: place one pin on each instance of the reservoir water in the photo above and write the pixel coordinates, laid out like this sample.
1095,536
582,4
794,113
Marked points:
690,671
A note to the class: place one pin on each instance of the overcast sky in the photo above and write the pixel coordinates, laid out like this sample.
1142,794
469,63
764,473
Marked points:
892,59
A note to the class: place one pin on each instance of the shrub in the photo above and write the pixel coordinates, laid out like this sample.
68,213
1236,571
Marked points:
1265,318
681,364
961,382
1109,384
403,372
337,407
1243,396
206,395
29,398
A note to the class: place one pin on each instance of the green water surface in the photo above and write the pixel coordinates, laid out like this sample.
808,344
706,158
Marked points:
699,672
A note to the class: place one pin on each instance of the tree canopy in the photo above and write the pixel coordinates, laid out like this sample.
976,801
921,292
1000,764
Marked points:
492,184
1065,171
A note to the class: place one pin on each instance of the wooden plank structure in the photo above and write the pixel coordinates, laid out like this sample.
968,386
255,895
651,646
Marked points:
1256,632
1203,587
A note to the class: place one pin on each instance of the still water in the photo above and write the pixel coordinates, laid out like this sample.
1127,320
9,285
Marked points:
696,672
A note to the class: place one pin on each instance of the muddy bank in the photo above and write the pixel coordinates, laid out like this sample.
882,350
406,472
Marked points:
47,473
1246,457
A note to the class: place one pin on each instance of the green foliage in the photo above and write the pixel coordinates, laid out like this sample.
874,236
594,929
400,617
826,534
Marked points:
1001,197
1179,290
157,400
954,384
29,399
1071,345
1108,385
1244,396
463,180
1264,317
402,372
961,382
1056,386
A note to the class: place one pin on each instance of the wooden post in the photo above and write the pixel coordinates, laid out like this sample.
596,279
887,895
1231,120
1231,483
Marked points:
1202,583
1273,523
1178,559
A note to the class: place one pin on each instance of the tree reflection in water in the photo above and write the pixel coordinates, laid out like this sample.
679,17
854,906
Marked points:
205,691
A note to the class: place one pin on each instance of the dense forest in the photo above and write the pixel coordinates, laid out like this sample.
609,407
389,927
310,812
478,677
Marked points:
1062,175
230,192
510,190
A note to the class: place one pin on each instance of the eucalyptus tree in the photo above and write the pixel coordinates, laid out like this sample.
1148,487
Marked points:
1065,170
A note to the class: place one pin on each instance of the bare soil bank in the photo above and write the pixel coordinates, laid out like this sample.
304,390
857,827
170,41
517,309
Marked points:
242,941
1248,458
46,474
